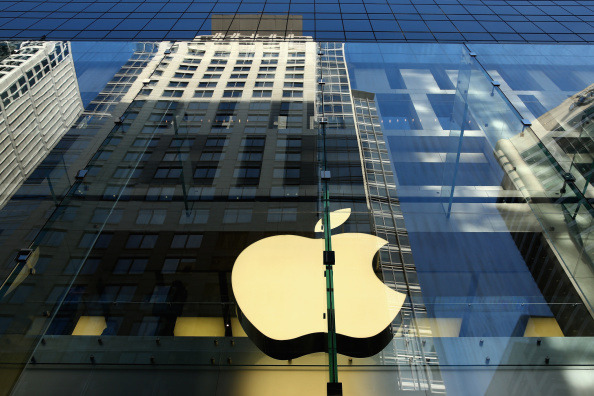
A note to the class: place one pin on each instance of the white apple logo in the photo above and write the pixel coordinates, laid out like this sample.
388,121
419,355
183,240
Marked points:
280,290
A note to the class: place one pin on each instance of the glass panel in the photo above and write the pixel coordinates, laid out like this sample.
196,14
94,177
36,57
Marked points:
177,203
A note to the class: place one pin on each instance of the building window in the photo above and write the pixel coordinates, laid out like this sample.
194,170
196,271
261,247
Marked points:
262,94
289,157
117,293
124,173
253,141
227,107
247,173
263,84
237,216
235,93
291,106
168,173
88,268
207,84
166,105
142,142
211,76
216,142
175,157
177,84
131,266
181,142
282,215
260,106
200,93
160,295
160,193
190,241
107,216
197,216
170,265
215,69
290,142
141,241
91,239
198,105
136,156
286,173
242,192
201,194
111,193
151,216
249,156
236,84
292,94
266,75
206,172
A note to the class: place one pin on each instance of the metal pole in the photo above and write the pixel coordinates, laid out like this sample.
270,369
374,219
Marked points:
334,387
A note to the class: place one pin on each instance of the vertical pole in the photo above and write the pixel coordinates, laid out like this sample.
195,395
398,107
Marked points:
332,350
333,383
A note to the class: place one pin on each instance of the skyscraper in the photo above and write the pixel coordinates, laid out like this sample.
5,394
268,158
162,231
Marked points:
416,125
40,100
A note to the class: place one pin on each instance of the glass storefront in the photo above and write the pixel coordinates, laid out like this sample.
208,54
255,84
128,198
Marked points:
139,176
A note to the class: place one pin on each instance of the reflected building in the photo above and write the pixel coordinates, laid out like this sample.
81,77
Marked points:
550,162
39,101
214,145
198,149
287,26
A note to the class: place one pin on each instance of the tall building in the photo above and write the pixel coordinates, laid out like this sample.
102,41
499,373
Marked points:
188,233
39,101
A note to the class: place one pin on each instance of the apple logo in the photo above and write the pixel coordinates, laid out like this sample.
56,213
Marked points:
280,290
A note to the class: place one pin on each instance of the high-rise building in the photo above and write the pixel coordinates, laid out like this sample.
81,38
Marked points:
39,101
247,196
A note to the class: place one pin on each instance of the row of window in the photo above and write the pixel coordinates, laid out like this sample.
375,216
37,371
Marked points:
233,76
243,54
205,193
235,93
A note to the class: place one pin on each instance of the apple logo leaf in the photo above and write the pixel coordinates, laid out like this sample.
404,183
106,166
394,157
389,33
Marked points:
280,289
337,218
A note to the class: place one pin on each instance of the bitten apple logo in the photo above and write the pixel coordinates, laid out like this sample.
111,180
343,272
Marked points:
280,290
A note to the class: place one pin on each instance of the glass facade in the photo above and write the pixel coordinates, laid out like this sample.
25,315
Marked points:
216,198
330,20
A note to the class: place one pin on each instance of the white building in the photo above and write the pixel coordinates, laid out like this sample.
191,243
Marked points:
39,100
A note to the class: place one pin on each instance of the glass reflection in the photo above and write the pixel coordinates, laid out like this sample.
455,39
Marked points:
126,229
